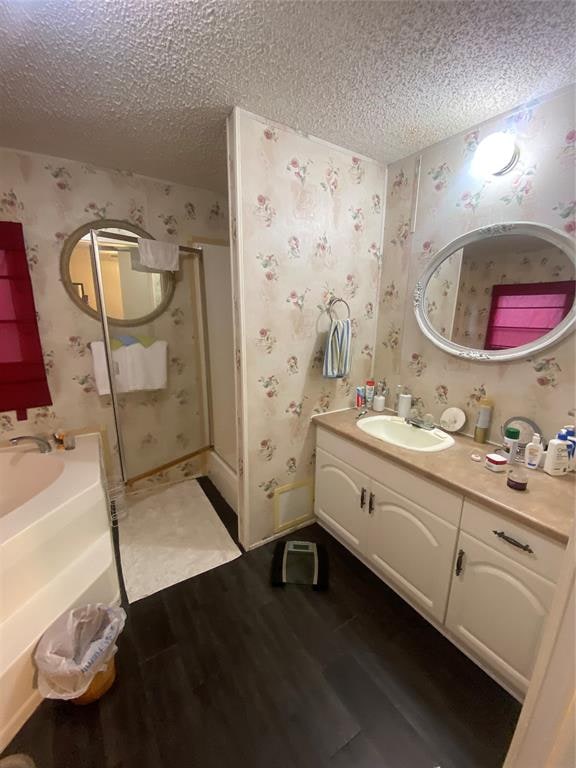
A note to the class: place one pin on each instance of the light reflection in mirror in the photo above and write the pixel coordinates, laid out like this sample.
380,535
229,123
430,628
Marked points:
131,291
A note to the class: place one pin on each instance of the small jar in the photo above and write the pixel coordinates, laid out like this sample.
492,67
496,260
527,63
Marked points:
496,463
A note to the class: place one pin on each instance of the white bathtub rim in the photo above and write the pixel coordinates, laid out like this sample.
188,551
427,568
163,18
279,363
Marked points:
82,471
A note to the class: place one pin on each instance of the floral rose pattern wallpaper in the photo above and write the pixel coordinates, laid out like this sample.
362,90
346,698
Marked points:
540,188
309,228
52,197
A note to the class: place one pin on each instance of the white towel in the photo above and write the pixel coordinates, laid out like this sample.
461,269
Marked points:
148,366
337,355
119,362
100,368
158,256
136,368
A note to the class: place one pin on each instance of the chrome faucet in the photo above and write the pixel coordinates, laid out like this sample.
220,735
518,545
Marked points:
363,412
43,445
419,423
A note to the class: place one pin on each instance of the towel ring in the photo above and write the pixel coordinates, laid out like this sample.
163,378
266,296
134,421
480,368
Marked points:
335,301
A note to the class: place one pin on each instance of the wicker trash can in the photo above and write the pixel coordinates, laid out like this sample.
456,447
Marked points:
101,683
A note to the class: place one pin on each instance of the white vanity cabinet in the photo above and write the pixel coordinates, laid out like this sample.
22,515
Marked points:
404,528
483,580
411,547
341,497
502,588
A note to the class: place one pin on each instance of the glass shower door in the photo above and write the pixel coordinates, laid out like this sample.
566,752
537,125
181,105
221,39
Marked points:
153,323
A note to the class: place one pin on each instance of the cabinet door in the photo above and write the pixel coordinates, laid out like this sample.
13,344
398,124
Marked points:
341,497
412,548
497,608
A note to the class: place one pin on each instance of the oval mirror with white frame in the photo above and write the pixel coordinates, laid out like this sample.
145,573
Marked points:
502,292
133,294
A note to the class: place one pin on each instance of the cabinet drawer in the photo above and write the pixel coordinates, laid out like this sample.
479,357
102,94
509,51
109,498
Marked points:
413,486
546,556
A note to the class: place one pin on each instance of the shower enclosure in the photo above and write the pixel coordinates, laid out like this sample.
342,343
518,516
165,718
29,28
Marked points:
151,364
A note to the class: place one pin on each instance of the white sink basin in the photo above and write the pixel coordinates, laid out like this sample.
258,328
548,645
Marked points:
394,430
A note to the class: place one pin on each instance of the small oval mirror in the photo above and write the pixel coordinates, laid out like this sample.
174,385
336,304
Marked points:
499,293
133,294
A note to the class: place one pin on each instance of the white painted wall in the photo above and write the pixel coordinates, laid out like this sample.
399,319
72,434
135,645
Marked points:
220,332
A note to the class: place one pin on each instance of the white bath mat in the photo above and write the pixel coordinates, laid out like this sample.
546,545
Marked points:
169,535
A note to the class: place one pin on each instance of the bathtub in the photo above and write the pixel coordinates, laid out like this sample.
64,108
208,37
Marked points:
56,552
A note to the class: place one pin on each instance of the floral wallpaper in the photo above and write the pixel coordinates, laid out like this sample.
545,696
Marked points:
307,219
52,197
541,188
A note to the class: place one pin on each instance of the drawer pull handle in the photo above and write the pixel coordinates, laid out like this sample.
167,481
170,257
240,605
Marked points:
371,503
459,560
514,542
362,498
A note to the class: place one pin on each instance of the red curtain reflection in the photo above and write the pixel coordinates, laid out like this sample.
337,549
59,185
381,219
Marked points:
23,381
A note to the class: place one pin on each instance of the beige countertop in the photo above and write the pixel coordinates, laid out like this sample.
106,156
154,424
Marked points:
547,505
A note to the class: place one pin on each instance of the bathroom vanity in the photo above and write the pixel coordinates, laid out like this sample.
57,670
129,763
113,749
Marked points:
478,560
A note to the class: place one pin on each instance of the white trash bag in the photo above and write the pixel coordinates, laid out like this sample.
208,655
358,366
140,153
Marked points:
75,648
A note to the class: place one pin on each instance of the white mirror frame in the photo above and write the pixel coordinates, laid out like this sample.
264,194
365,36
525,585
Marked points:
544,232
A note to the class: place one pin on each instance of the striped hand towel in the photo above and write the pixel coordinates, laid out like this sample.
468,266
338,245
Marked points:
337,354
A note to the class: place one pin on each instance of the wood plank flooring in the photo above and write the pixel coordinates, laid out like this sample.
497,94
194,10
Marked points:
223,670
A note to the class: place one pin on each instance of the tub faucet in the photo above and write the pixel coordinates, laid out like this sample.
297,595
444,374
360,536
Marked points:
43,445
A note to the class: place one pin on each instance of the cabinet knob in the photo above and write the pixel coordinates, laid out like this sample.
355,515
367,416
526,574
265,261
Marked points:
362,498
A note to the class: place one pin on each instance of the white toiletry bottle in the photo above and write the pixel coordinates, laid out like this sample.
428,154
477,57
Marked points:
533,452
563,435
556,462
404,405
511,440
380,398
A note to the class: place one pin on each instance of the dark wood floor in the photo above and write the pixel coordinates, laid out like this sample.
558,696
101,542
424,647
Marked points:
223,670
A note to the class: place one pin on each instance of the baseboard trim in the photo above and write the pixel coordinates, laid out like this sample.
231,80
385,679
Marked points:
224,478
281,534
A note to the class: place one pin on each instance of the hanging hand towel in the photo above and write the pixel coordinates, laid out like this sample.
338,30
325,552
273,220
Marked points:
121,368
158,256
148,366
337,355
136,368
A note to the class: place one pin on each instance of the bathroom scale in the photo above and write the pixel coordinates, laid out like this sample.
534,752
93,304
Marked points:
300,562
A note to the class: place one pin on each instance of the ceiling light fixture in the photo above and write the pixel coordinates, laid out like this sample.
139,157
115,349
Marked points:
496,155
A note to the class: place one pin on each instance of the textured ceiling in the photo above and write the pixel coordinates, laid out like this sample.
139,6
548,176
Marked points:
146,85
